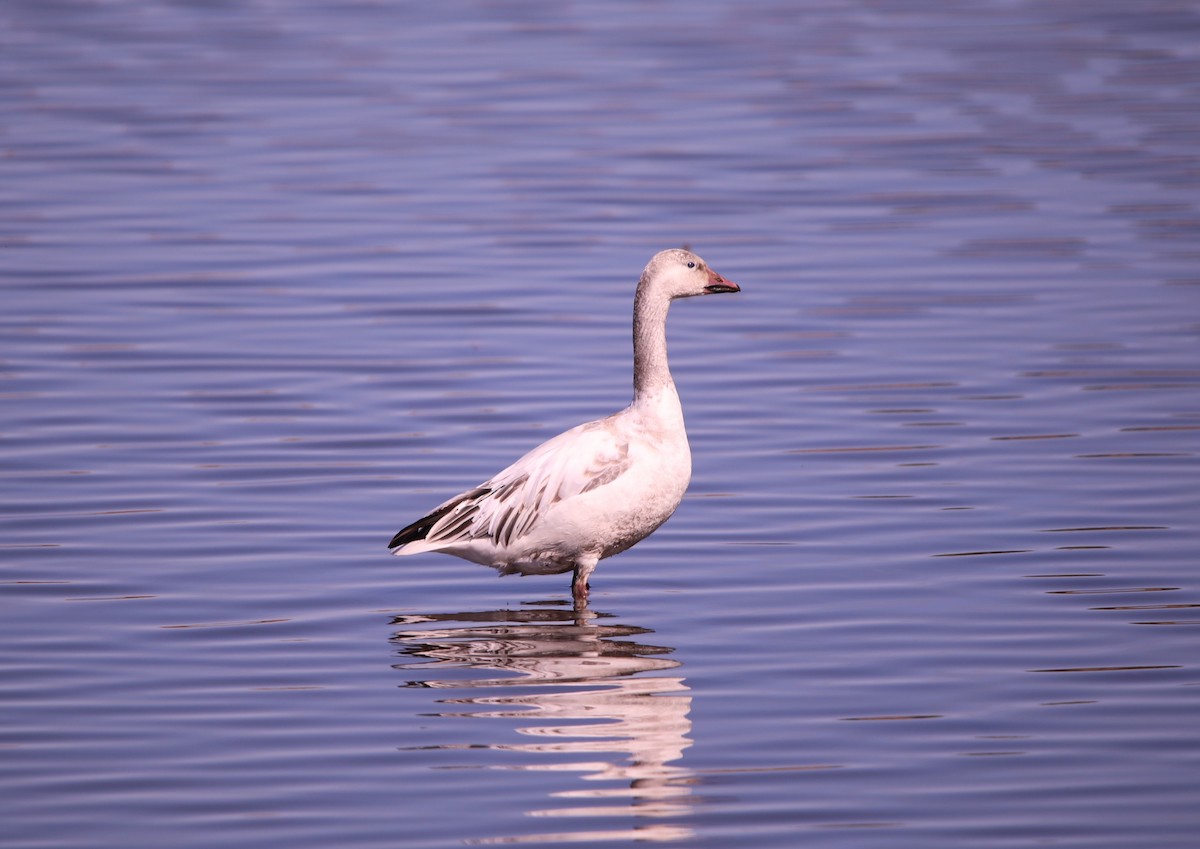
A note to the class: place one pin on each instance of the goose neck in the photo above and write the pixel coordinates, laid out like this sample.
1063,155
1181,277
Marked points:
651,371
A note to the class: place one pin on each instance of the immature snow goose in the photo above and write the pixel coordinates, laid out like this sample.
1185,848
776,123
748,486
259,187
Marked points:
598,488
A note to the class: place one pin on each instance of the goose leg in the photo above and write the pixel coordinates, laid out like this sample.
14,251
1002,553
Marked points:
584,567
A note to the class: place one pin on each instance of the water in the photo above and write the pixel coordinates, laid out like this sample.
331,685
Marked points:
279,277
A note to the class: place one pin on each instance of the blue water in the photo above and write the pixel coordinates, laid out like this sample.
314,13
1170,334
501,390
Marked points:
278,278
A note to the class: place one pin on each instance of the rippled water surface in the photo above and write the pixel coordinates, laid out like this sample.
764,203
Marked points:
279,277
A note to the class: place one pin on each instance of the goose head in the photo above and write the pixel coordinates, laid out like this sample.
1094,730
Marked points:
677,273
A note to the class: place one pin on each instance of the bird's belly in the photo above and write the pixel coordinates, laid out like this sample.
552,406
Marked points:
610,519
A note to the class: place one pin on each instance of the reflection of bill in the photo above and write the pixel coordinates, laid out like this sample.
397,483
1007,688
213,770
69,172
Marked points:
580,669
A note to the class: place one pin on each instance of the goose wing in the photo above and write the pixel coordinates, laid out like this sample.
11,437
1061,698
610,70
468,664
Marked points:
509,506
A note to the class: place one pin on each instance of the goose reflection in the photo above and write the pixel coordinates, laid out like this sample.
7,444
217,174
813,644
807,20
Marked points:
584,687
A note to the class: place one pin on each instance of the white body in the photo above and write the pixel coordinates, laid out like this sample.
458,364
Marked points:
597,488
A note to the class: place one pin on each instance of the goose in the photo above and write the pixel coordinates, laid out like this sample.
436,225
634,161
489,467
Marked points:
594,490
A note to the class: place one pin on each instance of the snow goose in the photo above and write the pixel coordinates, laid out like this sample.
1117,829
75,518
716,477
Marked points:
598,488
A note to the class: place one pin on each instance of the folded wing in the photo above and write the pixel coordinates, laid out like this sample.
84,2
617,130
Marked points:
507,508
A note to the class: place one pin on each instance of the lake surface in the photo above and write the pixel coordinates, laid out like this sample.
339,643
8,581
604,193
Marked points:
277,278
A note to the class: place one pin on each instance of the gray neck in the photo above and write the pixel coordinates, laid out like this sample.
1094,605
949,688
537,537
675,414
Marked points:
650,369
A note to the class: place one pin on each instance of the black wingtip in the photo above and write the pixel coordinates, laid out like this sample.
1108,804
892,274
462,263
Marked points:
420,529
417,530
